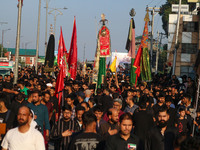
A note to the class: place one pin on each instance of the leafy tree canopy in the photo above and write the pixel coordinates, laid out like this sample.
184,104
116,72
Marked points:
166,10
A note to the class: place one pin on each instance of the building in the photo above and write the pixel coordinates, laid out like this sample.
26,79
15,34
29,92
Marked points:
188,42
26,56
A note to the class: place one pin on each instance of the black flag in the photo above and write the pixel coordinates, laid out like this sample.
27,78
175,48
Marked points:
50,52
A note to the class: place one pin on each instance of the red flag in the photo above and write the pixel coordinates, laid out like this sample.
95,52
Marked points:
59,88
62,51
72,58
137,63
21,3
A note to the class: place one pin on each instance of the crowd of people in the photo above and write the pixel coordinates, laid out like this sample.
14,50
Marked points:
156,115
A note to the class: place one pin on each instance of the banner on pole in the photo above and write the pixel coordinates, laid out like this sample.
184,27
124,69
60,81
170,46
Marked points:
104,42
121,58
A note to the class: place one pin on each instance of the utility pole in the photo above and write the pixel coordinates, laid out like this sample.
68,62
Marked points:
176,39
153,11
47,5
84,69
2,44
26,50
84,54
38,36
56,13
157,53
18,41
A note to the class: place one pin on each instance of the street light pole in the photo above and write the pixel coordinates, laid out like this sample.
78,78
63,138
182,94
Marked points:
17,41
25,50
2,44
47,5
38,36
2,41
176,40
56,13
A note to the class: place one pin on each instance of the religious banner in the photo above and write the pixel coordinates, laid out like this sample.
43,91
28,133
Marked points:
122,58
104,42
49,57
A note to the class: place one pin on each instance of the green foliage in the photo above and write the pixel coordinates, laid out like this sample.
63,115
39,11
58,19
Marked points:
162,58
166,10
4,50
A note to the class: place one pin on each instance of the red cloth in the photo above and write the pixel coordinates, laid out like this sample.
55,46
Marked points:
49,107
62,53
59,87
72,58
21,2
119,91
137,63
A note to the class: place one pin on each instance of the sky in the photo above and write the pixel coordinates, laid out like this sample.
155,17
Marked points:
88,14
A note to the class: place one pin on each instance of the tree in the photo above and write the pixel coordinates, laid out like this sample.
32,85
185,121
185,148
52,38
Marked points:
4,50
162,58
166,10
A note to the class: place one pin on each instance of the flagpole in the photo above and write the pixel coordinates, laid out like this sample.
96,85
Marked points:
47,5
38,36
176,39
197,101
18,41
102,60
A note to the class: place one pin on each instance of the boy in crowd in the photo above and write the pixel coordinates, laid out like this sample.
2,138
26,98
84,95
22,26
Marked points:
69,100
131,107
98,113
182,123
79,112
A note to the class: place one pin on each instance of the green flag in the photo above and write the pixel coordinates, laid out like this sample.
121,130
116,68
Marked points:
145,64
102,71
130,46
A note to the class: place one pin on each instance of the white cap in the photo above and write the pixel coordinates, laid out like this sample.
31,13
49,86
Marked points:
49,84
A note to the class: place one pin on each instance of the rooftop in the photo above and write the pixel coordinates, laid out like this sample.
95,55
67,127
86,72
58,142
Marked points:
23,52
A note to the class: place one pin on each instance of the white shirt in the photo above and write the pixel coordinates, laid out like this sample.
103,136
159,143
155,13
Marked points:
31,140
33,123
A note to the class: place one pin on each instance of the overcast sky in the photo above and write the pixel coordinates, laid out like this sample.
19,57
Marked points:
87,14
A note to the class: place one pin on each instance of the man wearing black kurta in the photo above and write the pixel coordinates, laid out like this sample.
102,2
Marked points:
123,140
162,136
63,129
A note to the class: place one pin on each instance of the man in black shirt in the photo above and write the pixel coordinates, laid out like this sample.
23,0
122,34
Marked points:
63,129
89,139
5,115
172,111
16,104
1,80
159,104
162,136
111,127
142,122
8,84
124,140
